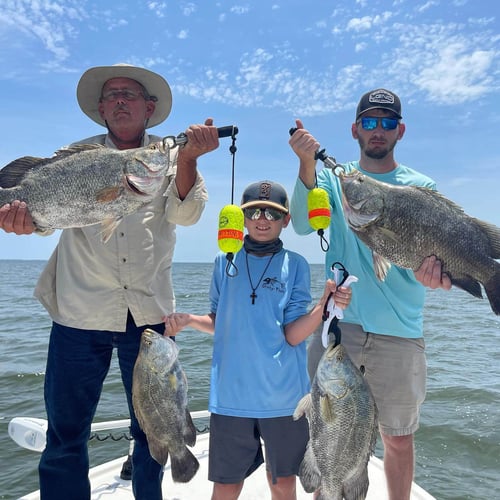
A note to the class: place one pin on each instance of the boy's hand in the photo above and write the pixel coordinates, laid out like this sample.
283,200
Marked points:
175,322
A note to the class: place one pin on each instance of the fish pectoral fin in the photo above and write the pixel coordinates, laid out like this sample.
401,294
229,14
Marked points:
309,474
108,228
303,407
381,266
325,408
109,194
189,430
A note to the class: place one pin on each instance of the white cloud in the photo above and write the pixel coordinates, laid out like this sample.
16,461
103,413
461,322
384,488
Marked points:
239,9
48,22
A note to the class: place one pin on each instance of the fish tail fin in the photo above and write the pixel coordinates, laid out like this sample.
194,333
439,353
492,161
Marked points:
357,485
184,466
492,289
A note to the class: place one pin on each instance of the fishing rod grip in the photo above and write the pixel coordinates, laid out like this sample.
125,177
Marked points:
227,131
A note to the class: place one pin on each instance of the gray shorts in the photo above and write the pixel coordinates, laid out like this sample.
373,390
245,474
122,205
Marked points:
395,369
235,449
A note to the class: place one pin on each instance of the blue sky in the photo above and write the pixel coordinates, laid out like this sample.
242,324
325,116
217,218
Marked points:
259,65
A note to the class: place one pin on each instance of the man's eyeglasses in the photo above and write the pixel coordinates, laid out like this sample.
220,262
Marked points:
128,95
371,123
271,214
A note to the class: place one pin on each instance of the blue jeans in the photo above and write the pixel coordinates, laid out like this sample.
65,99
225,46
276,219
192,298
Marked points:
77,364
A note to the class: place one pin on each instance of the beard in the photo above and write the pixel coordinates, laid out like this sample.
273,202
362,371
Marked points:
377,152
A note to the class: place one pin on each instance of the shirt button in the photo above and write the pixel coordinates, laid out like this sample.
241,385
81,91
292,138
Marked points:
124,259
125,287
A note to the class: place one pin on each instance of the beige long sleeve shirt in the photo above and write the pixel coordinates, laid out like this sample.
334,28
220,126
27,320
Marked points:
91,285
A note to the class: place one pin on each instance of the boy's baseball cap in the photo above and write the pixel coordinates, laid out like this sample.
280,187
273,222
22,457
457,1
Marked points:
379,99
267,194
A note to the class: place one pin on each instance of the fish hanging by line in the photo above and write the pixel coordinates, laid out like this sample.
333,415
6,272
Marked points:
86,184
159,398
405,224
343,429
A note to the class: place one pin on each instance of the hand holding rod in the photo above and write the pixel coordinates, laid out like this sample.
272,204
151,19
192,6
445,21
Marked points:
329,161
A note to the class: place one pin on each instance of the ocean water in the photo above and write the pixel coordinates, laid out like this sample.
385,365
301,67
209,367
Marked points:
457,445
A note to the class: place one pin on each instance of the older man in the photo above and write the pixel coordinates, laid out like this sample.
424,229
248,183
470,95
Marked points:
102,296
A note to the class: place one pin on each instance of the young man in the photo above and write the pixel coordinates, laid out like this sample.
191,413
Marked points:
260,321
102,296
383,327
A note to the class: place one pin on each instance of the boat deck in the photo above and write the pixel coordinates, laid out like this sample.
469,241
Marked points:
106,482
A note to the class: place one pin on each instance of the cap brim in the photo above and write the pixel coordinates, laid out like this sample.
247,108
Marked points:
379,107
90,86
264,203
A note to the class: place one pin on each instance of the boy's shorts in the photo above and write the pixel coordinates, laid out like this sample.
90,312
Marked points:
235,449
395,369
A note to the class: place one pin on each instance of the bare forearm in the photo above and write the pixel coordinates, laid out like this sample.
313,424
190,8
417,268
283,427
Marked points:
297,331
176,322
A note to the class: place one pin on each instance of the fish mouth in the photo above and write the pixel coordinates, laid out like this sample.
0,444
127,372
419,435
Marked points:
143,186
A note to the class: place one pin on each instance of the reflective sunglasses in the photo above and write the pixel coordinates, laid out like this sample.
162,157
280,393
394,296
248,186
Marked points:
270,214
371,122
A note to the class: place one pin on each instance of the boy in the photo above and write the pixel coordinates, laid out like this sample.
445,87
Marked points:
259,320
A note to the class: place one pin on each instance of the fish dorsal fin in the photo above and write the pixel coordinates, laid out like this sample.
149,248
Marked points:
13,173
189,432
432,193
493,234
76,148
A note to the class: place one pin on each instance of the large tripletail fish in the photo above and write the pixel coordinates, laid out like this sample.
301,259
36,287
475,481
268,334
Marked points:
343,429
86,184
159,397
405,224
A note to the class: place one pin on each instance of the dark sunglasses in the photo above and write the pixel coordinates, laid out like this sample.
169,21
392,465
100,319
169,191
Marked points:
370,123
270,214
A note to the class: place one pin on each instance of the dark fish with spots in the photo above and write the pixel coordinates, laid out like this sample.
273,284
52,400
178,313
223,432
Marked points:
159,397
343,429
86,184
405,224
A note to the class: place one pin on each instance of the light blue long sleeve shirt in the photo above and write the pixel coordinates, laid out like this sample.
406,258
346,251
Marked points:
390,307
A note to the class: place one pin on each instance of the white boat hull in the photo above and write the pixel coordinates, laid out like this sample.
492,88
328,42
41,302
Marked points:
106,482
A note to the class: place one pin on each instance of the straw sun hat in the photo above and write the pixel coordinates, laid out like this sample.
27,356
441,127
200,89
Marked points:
90,86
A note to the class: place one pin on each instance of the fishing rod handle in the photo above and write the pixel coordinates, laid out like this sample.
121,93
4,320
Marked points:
227,131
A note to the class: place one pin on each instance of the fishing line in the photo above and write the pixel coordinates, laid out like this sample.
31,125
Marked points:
318,206
231,220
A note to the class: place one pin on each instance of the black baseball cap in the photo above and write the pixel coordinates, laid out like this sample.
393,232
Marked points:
379,99
265,193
